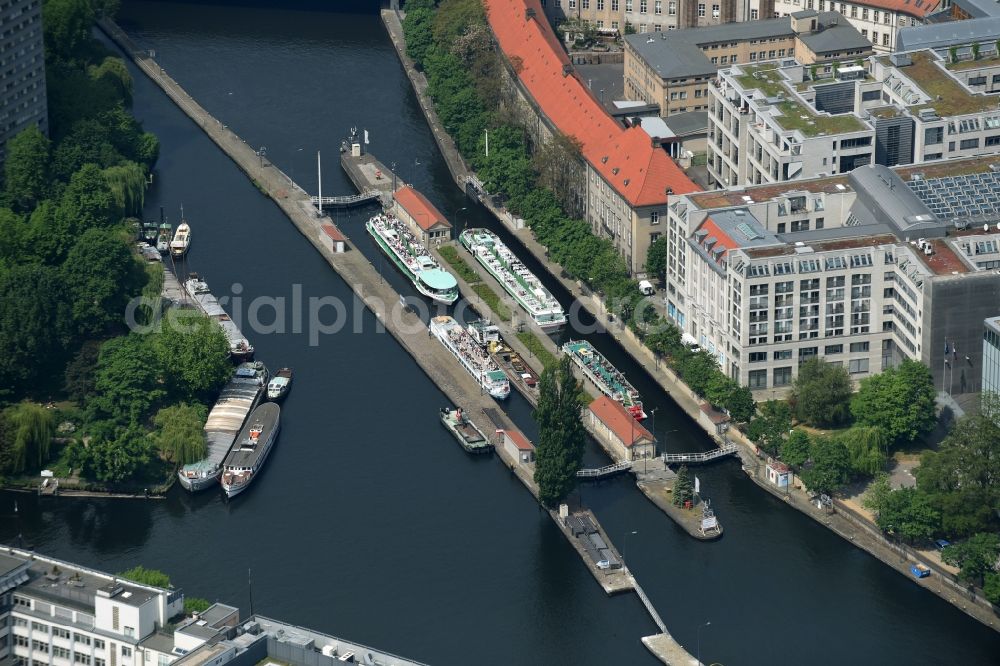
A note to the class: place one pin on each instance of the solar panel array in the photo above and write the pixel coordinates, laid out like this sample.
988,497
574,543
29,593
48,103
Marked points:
973,197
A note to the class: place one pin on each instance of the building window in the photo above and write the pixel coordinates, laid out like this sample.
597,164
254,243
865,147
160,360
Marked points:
830,350
672,8
885,39
40,646
60,652
758,379
658,7
968,144
854,11
715,11
130,632
864,14
858,347
81,658
758,357
783,376
59,632
875,14
643,6
754,14
800,225
614,5
600,5
701,9
874,37
782,354
864,33
126,650
80,638
628,5
858,365
98,645
586,4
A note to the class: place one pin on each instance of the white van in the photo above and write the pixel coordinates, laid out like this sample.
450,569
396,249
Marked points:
646,288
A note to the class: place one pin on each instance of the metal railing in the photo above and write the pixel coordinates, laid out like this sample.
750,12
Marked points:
607,470
703,456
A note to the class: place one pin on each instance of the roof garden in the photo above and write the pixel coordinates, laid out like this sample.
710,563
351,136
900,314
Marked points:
950,97
794,114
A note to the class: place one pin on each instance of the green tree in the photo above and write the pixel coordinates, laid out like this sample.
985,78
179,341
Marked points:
67,25
740,404
877,495
991,588
196,605
153,577
87,202
975,557
683,491
127,382
28,430
899,400
697,370
127,183
113,72
559,164
105,8
795,450
196,352
559,454
417,31
867,447
178,435
769,429
963,476
830,466
35,327
26,168
822,394
117,458
79,376
910,514
656,258
102,274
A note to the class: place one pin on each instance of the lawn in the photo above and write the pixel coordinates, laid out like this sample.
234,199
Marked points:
492,300
535,346
450,255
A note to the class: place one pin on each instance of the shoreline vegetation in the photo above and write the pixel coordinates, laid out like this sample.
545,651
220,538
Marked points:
102,408
956,486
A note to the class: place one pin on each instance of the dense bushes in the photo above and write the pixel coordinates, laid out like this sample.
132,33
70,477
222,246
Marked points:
452,45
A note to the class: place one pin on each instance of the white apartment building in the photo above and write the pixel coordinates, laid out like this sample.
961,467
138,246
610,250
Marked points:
782,120
862,269
877,20
611,16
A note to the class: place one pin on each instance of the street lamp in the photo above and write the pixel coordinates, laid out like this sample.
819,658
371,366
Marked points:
707,624
669,432
625,546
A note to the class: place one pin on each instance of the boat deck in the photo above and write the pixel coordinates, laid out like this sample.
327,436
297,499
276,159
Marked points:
245,455
235,401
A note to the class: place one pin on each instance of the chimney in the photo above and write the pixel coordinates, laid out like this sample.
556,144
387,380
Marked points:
529,13
567,69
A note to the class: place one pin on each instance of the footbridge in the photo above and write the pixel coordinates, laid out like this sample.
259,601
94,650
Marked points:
701,457
347,201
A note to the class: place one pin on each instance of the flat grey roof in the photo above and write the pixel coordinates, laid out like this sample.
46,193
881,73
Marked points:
979,8
159,641
688,122
10,563
837,37
676,53
947,34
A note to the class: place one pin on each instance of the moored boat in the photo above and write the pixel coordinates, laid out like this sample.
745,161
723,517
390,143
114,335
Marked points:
239,347
149,232
517,280
279,385
605,376
237,399
250,449
465,431
182,240
473,357
163,240
402,247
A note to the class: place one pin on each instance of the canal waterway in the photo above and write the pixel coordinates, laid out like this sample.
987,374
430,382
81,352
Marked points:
369,521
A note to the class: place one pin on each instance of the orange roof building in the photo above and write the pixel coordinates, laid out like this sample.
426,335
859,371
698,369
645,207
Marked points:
615,428
421,215
629,177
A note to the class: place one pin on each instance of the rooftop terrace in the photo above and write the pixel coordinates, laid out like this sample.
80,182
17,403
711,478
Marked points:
950,97
795,115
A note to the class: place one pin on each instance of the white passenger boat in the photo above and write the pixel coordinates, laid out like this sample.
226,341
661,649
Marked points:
473,357
402,247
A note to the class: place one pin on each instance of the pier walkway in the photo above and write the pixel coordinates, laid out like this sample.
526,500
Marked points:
701,457
604,472
348,201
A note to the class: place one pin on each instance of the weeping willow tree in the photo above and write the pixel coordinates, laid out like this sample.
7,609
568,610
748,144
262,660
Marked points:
29,430
178,435
114,72
128,187
867,447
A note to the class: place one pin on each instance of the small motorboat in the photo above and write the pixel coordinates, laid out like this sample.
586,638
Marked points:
182,240
279,385
163,240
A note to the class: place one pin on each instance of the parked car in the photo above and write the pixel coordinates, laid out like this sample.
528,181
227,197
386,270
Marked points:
941,544
919,571
646,288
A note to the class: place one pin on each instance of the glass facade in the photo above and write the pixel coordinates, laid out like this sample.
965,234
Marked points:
991,355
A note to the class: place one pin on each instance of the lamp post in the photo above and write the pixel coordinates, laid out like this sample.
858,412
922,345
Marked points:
625,545
707,624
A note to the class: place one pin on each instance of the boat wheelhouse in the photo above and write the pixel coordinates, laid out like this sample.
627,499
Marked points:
398,243
518,281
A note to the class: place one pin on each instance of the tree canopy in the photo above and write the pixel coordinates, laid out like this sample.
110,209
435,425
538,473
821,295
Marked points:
821,394
25,437
898,400
26,168
656,258
193,355
561,440
907,513
830,465
141,574
769,429
975,557
178,435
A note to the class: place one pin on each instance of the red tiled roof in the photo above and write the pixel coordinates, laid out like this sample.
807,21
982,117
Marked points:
520,441
333,232
722,239
420,209
620,422
917,8
639,171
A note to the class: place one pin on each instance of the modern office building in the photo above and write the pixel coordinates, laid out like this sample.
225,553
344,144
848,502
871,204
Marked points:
779,121
55,613
673,69
878,21
22,69
991,355
861,269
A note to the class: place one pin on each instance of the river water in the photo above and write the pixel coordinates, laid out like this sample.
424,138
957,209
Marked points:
369,522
